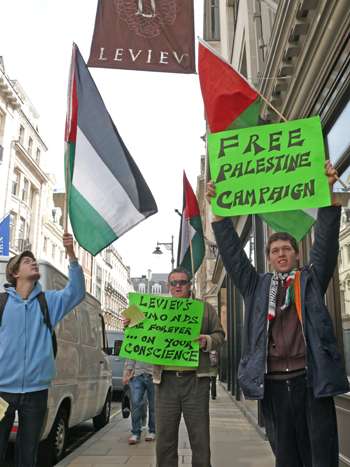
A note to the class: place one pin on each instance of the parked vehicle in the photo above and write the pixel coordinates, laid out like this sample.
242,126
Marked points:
82,388
115,339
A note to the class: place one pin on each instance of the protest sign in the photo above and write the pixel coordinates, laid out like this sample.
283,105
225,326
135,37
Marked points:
269,168
168,334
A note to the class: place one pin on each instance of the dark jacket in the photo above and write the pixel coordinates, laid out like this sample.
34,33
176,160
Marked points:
325,366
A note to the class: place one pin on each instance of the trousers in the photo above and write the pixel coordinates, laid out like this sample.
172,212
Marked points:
185,395
31,408
302,430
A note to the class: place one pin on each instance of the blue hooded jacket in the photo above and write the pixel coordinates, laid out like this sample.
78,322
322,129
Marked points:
26,354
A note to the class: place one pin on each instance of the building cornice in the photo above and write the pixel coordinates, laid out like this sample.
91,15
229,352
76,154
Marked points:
29,161
9,93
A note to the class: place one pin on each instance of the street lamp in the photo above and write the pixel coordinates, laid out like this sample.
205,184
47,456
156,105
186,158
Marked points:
168,246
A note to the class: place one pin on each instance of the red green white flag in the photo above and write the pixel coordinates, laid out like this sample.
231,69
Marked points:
191,248
231,103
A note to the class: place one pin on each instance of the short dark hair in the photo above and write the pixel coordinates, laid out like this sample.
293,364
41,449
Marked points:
285,236
180,270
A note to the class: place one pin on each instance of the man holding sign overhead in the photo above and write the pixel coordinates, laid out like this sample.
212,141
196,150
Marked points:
185,390
290,359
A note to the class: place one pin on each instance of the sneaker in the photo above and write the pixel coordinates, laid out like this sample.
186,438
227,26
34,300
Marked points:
150,437
134,439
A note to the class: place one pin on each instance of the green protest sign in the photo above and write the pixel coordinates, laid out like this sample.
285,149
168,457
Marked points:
269,168
167,335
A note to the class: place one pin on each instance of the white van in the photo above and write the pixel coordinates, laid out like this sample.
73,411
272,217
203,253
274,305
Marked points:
82,388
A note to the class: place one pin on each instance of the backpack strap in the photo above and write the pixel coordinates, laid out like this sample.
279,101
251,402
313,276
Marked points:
3,300
46,317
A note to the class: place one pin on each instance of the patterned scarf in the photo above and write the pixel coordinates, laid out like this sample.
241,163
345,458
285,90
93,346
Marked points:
288,281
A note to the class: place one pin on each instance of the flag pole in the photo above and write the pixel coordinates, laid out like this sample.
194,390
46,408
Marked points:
68,124
192,267
267,102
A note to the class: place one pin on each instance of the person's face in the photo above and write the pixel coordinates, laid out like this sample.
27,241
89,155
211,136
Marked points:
179,285
27,270
282,256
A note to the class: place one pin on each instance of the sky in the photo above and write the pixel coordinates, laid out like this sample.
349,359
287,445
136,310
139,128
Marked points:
160,116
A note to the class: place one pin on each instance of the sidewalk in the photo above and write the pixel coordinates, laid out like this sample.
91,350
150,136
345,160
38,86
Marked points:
234,442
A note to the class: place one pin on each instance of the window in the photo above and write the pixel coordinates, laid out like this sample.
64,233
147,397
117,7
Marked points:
30,146
214,20
31,197
142,287
13,218
21,134
98,283
22,228
338,136
37,156
54,248
25,190
15,183
45,244
156,288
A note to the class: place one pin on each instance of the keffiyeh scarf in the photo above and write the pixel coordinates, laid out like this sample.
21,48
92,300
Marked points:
291,281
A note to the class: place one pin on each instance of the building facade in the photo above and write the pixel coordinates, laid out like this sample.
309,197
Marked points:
297,54
153,283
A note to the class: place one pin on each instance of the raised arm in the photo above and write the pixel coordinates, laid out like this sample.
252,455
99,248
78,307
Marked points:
325,249
235,260
61,302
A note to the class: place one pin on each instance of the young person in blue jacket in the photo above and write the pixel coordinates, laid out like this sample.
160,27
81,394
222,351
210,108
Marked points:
290,359
27,364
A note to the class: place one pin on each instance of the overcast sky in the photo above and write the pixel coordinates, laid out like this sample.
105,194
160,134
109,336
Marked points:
158,115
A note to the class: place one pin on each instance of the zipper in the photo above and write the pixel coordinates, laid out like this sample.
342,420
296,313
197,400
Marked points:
302,293
25,344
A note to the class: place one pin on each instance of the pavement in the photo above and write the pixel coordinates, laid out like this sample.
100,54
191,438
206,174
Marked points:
235,442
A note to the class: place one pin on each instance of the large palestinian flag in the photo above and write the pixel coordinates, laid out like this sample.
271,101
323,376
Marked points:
230,102
191,242
107,194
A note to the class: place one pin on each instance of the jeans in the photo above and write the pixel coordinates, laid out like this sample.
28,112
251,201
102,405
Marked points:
139,385
302,430
31,408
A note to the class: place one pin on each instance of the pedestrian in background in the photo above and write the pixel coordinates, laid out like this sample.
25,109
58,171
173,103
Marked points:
214,360
27,364
138,376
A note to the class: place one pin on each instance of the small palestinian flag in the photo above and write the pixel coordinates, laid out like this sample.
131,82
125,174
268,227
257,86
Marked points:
191,242
107,194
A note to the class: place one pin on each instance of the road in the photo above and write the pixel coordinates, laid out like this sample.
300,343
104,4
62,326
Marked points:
77,436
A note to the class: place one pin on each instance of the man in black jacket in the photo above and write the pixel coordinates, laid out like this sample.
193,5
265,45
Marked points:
290,359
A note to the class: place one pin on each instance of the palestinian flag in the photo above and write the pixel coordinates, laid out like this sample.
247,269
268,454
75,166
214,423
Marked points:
230,102
191,242
106,192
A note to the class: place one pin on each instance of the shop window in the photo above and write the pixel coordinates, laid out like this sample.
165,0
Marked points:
338,142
